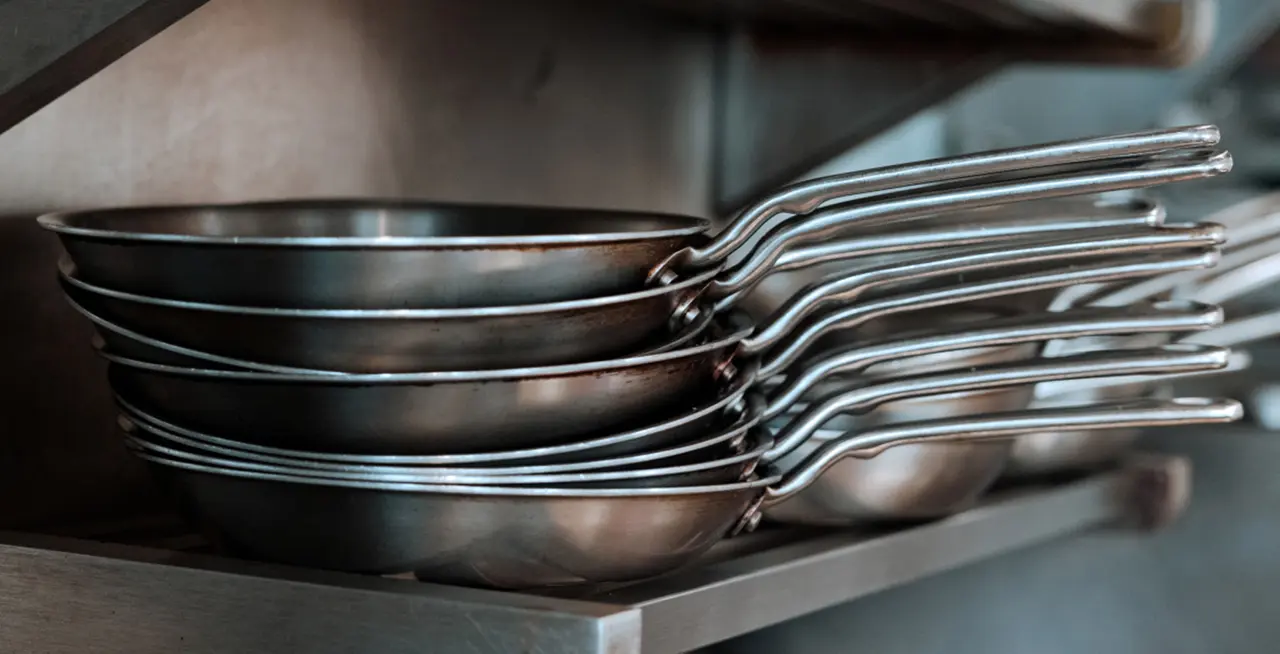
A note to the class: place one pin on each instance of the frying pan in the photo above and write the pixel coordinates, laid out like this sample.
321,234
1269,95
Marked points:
431,340
133,344
357,254
716,465
538,536
684,434
478,411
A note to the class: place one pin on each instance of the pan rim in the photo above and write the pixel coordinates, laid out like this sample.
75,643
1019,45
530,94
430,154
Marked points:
67,271
737,388
761,441
61,222
458,490
437,377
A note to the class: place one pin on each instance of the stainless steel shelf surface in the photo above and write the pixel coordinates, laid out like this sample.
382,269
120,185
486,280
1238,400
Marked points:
125,598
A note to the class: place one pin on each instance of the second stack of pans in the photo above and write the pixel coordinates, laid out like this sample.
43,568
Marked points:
523,397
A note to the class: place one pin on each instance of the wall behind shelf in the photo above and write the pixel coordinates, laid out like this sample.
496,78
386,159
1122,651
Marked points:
503,100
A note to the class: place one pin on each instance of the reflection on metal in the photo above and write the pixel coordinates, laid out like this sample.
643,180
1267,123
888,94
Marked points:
136,599
49,46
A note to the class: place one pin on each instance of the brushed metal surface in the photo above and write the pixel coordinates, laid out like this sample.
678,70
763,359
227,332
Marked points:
141,601
130,599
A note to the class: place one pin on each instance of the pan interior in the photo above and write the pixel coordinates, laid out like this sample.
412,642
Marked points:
367,220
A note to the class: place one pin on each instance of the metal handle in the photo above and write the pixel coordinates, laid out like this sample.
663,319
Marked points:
1241,215
804,197
1070,392
107,325
143,429
917,204
1261,227
1240,271
969,229
1180,357
784,354
1163,317
1239,281
846,286
1125,415
1248,246
1241,331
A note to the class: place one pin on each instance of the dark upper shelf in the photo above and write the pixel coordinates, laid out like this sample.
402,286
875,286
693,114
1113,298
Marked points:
49,46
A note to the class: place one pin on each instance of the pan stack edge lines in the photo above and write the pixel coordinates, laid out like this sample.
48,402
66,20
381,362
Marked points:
516,397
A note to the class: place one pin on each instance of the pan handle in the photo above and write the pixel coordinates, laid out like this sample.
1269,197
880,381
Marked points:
1243,214
1071,392
846,286
969,229
1239,281
1241,331
1263,227
993,426
786,353
948,231
1239,272
917,204
1160,317
805,197
1175,358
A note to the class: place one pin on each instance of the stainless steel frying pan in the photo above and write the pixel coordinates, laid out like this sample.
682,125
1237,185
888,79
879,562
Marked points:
537,536
430,340
353,254
134,344
426,340
716,466
478,411
726,419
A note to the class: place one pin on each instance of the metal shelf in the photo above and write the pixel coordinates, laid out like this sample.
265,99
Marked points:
144,599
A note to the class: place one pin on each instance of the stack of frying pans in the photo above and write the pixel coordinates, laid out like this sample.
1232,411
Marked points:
521,397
